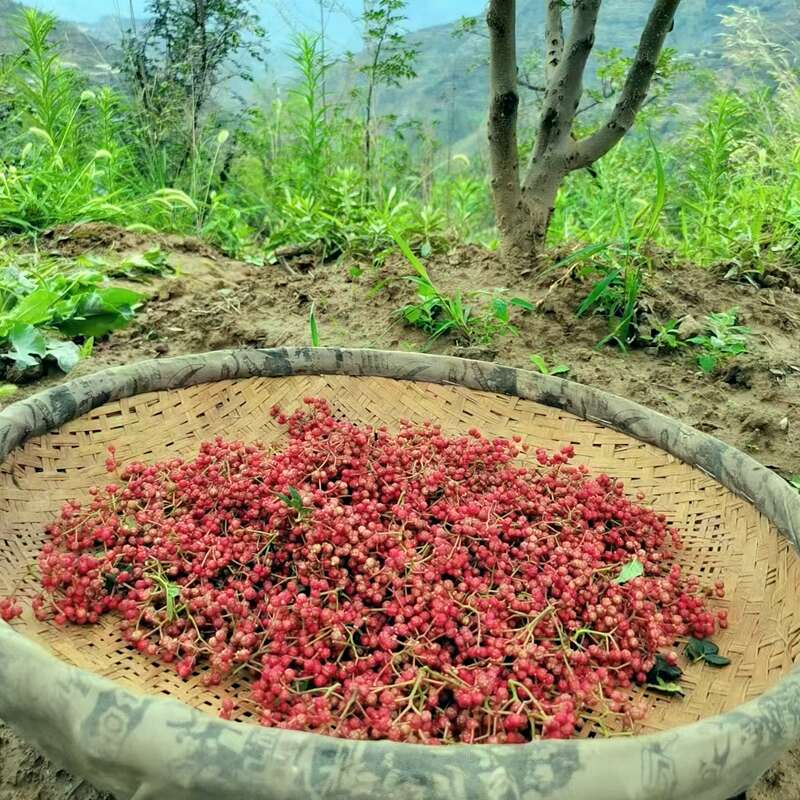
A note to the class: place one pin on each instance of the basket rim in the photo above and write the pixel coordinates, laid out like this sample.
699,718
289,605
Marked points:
766,723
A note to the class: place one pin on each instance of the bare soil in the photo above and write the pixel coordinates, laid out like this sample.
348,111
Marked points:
752,401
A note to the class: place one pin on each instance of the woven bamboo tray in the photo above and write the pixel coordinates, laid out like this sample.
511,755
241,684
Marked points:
56,447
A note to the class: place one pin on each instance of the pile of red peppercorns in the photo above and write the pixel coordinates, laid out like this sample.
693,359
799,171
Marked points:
410,586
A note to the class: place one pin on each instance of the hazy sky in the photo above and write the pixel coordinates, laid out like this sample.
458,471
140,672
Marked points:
281,16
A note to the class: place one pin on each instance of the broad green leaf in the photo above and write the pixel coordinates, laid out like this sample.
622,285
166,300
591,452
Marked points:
633,569
101,311
16,280
500,309
697,649
66,354
539,363
171,594
520,302
139,267
66,307
94,326
8,390
294,501
706,650
427,291
707,363
412,314
118,296
28,346
35,308
668,687
663,670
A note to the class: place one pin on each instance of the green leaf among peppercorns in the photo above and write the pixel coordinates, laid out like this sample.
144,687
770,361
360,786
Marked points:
663,669
633,569
706,650
664,677
295,502
668,687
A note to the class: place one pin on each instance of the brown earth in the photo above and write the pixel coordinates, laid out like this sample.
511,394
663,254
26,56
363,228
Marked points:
752,401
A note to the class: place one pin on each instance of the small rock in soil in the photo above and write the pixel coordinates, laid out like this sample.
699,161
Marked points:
758,421
689,327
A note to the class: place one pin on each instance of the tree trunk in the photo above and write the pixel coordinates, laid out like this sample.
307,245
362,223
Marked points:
523,229
523,212
514,220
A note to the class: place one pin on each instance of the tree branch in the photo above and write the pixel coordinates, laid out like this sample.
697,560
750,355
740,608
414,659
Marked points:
553,37
637,83
503,152
565,86
523,80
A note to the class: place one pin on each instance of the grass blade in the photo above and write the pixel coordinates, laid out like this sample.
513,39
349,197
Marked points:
406,250
312,326
597,292
657,206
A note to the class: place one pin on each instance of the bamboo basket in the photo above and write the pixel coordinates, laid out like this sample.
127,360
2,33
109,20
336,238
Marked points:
134,728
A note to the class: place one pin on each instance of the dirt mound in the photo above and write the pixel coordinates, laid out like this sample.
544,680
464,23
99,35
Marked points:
750,401
91,237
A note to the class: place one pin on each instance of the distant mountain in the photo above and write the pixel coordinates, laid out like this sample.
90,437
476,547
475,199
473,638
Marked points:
281,18
452,86
78,46
108,28
451,90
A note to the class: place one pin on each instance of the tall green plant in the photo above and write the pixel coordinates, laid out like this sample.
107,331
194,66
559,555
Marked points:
309,126
389,61
48,91
174,62
714,143
65,158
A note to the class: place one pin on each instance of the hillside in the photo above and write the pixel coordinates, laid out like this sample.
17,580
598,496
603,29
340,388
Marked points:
77,46
451,88
452,82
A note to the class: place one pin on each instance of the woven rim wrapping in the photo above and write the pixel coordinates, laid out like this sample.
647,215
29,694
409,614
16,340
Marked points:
149,747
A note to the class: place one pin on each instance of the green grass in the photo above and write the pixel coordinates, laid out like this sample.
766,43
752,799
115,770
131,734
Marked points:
720,187
722,340
471,317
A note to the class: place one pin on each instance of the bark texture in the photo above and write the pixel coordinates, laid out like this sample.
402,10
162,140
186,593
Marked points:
510,211
524,205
